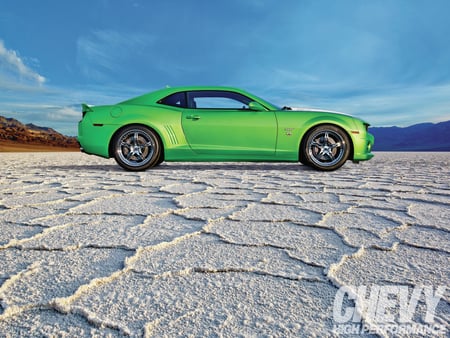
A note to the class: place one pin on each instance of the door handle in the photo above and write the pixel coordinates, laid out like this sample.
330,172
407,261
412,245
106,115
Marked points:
193,117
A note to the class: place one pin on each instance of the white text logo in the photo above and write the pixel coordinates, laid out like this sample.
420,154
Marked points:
391,308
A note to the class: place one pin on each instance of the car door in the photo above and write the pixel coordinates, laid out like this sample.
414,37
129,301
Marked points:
221,123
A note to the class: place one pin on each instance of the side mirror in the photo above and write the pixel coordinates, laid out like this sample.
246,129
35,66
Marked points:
256,106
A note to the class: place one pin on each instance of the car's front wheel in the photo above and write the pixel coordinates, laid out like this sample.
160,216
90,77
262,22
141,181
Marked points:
326,148
136,148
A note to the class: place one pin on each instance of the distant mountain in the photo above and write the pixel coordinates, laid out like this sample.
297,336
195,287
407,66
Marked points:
15,135
419,137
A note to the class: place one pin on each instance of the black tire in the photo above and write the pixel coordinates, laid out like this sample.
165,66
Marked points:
302,158
136,148
325,148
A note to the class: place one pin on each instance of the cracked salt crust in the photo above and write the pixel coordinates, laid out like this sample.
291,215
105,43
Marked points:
251,249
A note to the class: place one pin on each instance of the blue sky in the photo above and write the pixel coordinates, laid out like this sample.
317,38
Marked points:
386,61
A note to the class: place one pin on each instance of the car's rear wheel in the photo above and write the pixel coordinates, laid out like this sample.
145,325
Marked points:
326,148
136,148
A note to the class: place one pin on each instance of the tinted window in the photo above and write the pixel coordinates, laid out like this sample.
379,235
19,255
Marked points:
216,99
175,100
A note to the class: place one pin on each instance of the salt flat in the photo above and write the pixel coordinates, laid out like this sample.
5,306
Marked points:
215,249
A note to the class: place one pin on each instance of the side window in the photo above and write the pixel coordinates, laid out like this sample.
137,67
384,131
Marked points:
214,99
218,103
175,100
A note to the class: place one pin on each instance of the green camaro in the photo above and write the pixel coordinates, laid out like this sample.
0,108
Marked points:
219,124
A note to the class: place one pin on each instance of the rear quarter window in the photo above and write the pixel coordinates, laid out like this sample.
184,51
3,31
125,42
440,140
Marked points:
174,100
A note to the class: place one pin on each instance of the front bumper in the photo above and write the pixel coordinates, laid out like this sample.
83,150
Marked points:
362,147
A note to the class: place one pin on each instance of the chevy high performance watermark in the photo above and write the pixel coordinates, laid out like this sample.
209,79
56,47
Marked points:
388,309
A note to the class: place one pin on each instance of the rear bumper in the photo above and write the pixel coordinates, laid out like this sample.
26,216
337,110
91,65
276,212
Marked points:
94,139
81,148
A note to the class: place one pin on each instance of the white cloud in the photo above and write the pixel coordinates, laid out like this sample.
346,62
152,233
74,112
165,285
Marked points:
400,106
103,54
12,67
64,114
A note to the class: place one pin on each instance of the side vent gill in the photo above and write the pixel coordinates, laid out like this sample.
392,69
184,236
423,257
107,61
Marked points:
171,133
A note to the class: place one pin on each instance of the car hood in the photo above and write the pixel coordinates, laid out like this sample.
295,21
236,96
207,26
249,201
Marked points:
319,110
305,109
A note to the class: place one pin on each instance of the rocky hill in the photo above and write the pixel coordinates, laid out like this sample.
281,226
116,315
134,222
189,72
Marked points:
419,137
15,135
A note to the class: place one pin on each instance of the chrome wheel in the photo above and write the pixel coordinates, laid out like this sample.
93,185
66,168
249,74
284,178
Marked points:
136,148
326,148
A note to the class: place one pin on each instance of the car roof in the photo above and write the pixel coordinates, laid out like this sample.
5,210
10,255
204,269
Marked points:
155,96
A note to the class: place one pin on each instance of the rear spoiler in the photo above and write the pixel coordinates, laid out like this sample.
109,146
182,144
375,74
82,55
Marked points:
85,108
